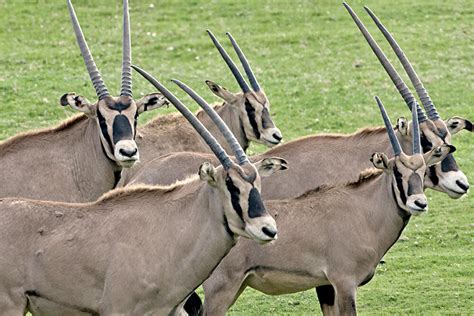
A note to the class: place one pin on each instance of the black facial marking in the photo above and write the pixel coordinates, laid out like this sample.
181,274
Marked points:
266,120
193,305
326,295
449,164
234,196
135,120
432,175
103,129
63,100
256,207
119,105
468,125
121,128
399,179
151,101
425,143
252,118
415,185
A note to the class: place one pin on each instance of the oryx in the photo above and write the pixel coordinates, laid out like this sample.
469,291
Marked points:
330,159
247,113
331,237
82,157
136,251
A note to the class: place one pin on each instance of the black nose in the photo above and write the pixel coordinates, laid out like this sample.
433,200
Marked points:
269,232
128,152
277,137
463,186
421,205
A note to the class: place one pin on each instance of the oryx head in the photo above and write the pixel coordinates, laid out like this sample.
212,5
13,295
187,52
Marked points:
115,116
408,171
252,104
238,183
445,176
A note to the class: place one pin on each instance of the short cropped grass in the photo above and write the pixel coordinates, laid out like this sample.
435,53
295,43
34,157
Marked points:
319,75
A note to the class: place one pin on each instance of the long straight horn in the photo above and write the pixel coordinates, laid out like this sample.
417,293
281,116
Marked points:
233,68
420,89
245,64
94,73
393,74
126,88
208,138
391,133
230,138
415,133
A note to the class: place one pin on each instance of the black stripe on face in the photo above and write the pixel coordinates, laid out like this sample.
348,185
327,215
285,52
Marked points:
432,175
103,129
256,207
468,125
121,128
234,197
399,180
449,164
266,120
425,144
415,185
252,118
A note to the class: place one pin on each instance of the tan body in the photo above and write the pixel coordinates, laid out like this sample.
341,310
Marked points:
118,255
314,160
66,163
341,237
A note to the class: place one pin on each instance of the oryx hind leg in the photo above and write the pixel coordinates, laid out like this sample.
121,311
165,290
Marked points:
327,297
219,297
345,298
12,304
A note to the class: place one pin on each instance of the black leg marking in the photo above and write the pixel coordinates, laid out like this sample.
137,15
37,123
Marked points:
193,305
326,295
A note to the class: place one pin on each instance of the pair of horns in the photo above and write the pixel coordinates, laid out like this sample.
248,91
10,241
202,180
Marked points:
205,134
94,74
397,149
396,79
233,68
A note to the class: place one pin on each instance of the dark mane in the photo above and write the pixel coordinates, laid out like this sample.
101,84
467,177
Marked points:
364,176
44,131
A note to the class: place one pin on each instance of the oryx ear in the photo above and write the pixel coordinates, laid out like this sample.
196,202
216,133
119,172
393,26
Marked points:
456,124
402,125
78,102
221,92
380,161
268,166
150,102
207,172
437,154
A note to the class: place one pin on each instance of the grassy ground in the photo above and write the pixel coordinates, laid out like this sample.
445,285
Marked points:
319,75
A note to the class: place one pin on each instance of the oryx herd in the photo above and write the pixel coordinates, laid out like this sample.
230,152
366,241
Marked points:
86,230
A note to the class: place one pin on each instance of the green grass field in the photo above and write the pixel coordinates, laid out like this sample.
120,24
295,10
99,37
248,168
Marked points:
320,76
